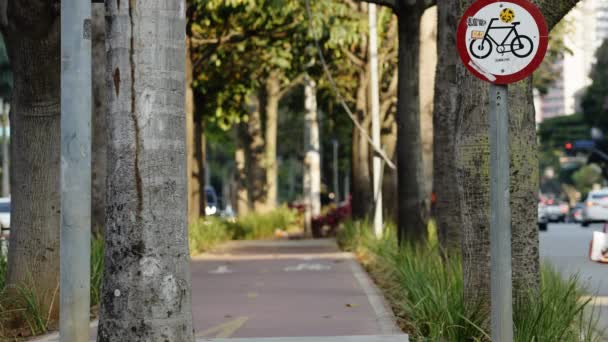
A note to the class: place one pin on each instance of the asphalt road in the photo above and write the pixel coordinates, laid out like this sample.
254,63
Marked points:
566,246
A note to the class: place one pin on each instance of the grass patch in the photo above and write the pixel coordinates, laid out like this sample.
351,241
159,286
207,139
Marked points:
427,294
3,268
211,231
96,269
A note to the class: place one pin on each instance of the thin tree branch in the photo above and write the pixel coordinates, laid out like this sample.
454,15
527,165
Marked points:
555,10
292,84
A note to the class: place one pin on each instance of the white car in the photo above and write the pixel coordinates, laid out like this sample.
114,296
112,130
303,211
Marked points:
5,224
5,212
596,207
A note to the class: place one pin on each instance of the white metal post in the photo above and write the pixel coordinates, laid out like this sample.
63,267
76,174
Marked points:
500,226
76,96
375,107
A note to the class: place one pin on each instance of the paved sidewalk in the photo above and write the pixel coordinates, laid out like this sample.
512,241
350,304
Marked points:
295,291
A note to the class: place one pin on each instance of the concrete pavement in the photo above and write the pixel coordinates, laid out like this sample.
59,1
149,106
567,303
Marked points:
263,289
285,291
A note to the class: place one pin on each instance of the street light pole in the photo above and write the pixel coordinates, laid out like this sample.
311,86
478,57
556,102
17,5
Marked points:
76,96
375,102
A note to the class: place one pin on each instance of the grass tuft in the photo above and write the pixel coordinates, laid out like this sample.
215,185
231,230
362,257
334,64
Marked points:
426,293
211,231
97,256
3,269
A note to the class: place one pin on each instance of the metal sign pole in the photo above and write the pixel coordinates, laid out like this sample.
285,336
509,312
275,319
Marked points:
75,170
500,226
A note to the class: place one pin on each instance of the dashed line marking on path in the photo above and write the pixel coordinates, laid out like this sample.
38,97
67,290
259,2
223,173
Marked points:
224,330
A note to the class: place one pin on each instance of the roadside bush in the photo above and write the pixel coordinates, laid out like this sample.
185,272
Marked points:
211,231
206,234
426,294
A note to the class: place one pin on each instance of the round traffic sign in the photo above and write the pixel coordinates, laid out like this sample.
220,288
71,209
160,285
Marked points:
502,41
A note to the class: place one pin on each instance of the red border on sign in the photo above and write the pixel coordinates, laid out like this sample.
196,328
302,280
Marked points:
525,72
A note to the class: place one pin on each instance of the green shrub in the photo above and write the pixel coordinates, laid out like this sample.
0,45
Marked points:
206,234
211,231
426,293
262,226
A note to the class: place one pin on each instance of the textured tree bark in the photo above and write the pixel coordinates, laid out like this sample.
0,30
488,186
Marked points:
447,105
32,38
200,154
361,173
100,110
194,187
271,109
242,193
146,289
389,180
428,63
473,179
312,158
413,212
255,153
6,182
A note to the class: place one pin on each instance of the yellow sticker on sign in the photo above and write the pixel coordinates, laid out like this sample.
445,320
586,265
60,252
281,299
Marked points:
477,34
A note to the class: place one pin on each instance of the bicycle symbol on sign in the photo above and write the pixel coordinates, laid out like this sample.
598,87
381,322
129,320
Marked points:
482,44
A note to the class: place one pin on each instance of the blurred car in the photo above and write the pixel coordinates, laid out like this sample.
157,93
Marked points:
211,202
596,207
555,209
576,213
543,221
5,224
5,212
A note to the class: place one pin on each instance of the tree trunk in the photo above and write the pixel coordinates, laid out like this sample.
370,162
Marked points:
473,179
428,63
32,38
360,169
242,193
447,105
271,109
389,180
255,153
412,205
6,183
99,122
146,289
312,160
200,154
194,186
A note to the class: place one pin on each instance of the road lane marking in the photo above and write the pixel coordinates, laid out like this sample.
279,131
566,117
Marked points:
224,330
223,269
307,267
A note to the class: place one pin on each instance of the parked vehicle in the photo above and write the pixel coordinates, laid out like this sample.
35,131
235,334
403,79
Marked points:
556,210
212,205
543,221
576,213
5,224
596,207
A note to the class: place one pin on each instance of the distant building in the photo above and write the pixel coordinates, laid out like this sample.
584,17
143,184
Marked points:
588,27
